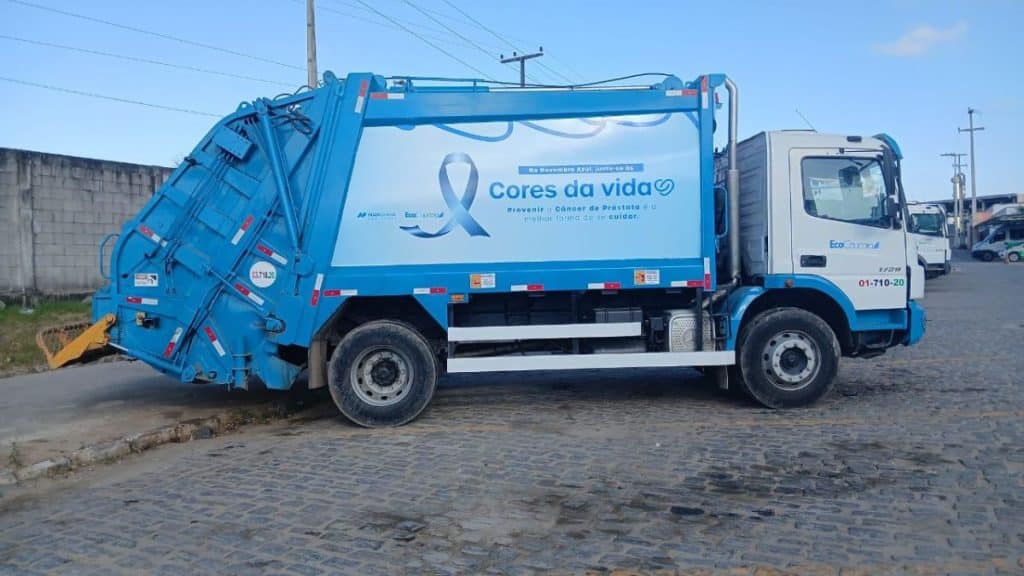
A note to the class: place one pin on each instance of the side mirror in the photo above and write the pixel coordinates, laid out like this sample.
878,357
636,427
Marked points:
892,211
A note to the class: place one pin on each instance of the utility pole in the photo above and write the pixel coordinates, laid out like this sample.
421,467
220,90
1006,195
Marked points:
958,195
974,189
312,80
521,58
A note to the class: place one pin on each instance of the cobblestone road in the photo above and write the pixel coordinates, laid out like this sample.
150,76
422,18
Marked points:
915,465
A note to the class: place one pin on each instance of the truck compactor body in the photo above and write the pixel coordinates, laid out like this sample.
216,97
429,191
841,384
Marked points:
380,232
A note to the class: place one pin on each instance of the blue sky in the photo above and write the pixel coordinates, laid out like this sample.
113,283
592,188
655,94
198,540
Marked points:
909,68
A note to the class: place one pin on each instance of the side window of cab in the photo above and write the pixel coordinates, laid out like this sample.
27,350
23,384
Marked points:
847,189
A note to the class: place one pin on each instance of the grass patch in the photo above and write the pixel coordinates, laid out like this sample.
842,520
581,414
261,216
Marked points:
18,350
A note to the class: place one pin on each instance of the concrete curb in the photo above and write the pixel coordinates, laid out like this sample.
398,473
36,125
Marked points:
109,452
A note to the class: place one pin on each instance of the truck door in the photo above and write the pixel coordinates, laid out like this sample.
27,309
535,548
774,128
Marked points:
840,228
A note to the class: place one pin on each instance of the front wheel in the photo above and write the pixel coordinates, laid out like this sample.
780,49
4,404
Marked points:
383,373
1013,257
788,357
987,256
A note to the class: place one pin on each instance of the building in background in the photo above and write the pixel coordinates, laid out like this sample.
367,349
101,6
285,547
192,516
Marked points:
991,209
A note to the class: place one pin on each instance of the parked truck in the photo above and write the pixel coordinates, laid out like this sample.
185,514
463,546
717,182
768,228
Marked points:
380,232
930,233
1003,235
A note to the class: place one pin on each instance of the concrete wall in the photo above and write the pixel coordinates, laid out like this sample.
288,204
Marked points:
54,212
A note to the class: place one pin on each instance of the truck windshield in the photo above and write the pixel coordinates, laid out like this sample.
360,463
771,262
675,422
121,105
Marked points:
997,235
928,224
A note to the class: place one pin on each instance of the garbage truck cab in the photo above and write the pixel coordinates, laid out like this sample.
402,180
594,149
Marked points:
930,233
823,231
377,233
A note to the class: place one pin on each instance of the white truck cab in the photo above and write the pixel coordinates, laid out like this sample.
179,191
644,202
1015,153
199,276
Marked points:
929,232
832,212
823,227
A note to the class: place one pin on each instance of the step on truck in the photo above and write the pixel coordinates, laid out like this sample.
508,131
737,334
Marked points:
381,232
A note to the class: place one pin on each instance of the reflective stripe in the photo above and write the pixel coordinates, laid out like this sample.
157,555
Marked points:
149,233
174,340
433,290
273,255
315,298
215,341
336,292
361,98
138,300
249,294
527,287
604,286
241,230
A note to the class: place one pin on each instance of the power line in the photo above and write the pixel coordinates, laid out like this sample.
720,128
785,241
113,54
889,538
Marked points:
502,39
142,60
566,65
408,23
447,16
156,34
425,41
555,72
389,25
456,32
106,97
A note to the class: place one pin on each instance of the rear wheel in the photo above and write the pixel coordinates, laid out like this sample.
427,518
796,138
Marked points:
987,256
788,357
383,373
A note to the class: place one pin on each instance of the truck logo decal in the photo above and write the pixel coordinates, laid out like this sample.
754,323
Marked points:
459,207
853,245
262,274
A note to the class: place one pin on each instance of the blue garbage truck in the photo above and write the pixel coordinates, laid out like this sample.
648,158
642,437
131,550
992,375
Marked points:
380,232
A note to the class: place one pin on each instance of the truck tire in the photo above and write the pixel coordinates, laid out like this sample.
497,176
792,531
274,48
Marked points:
788,357
382,373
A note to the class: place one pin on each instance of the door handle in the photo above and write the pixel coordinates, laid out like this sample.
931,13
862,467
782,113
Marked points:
813,261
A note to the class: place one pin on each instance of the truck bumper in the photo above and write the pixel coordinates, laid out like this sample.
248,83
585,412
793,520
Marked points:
915,323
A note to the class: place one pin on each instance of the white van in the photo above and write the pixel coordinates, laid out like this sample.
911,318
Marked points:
929,231
998,240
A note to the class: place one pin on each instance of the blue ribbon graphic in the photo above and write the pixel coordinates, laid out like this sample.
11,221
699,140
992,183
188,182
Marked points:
459,207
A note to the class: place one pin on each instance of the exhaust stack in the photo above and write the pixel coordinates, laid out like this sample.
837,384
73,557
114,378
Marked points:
732,183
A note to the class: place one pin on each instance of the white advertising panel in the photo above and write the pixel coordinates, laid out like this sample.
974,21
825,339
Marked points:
624,187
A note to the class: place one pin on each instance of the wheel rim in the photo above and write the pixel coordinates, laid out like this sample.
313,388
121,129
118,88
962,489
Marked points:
1014,257
791,359
381,376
